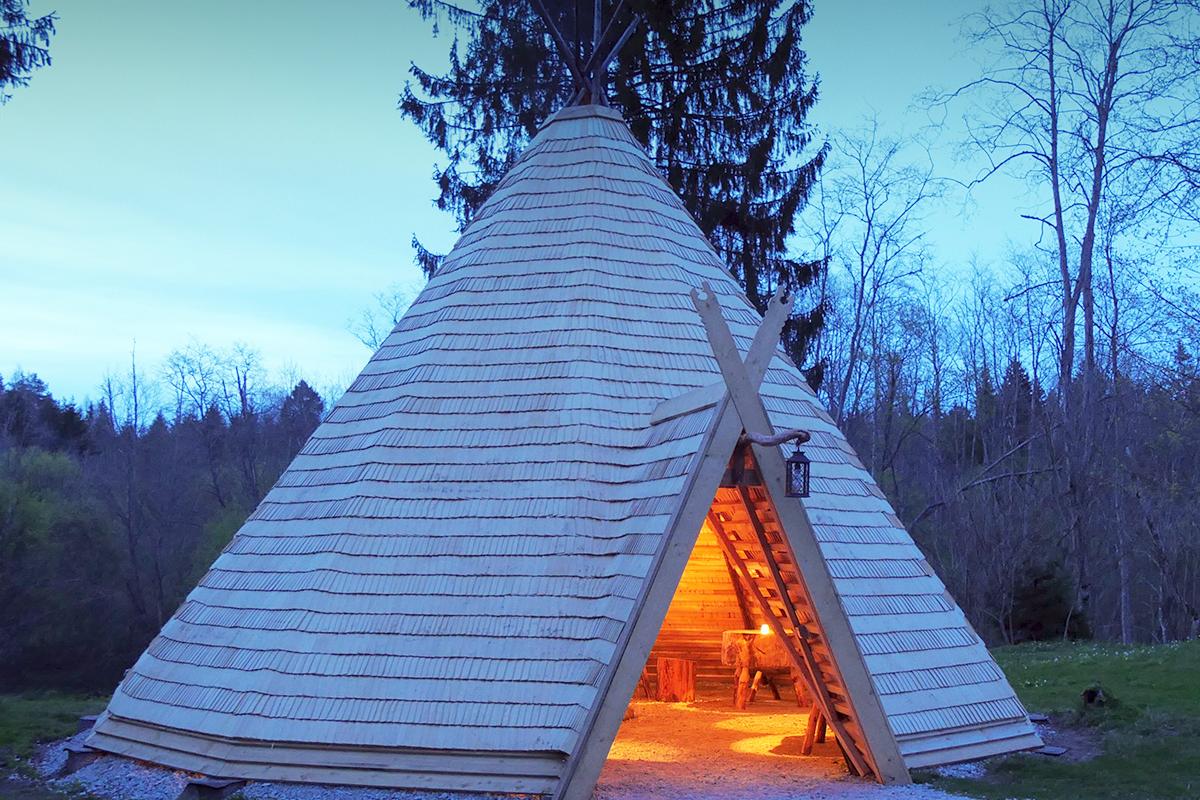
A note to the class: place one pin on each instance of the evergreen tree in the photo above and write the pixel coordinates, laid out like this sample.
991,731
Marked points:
24,44
716,91
1015,400
300,415
31,417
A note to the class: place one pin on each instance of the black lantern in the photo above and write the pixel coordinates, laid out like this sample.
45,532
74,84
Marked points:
799,474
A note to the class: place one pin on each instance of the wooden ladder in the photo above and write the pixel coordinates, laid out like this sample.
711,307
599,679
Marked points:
748,530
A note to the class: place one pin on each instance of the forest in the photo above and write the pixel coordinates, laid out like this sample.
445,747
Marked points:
1034,417
109,514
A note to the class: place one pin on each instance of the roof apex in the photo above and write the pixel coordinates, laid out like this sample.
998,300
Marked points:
581,112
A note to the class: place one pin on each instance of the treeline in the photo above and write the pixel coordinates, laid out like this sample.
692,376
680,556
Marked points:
109,514
1035,415
1044,523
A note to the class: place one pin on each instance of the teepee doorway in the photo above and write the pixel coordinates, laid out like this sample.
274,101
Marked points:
773,558
721,700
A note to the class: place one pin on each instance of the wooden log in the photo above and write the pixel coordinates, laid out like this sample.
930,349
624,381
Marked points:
803,698
758,676
676,680
741,689
810,731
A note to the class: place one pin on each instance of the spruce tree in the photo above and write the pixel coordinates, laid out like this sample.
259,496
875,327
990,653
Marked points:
24,44
716,90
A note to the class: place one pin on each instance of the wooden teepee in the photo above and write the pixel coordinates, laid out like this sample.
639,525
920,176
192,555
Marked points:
457,582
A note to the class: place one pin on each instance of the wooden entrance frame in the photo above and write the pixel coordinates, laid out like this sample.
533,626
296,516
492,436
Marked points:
739,408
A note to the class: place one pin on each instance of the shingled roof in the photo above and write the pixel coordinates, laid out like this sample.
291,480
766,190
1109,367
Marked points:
433,592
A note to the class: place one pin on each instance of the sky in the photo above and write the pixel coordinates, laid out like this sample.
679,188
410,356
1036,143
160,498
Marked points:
233,171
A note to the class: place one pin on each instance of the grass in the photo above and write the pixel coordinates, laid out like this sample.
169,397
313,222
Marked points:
1148,740
26,719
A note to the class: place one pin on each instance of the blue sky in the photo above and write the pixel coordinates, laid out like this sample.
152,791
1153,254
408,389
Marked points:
236,171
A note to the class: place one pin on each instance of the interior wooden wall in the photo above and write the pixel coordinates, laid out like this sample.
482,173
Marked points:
705,604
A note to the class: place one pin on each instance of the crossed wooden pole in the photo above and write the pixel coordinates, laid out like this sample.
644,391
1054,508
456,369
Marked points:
882,751
738,409
590,76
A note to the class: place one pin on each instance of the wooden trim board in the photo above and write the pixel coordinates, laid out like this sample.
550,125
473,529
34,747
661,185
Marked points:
688,402
443,770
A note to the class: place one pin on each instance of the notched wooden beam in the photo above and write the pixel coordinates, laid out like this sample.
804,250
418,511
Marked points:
708,396
689,402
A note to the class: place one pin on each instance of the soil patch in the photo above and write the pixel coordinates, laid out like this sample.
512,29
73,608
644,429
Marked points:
1083,743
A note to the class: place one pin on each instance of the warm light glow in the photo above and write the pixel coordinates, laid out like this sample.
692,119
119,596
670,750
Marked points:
636,749
767,745
765,629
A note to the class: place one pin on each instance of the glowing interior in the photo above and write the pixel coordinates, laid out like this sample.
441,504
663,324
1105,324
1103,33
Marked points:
667,743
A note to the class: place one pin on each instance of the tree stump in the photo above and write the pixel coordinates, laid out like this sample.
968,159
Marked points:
676,680
643,684
78,757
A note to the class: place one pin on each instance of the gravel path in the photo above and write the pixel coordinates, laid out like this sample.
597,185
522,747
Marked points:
701,751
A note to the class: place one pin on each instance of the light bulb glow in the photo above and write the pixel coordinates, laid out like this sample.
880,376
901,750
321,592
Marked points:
765,629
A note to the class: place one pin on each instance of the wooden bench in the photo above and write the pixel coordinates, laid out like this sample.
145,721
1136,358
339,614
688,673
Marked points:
758,658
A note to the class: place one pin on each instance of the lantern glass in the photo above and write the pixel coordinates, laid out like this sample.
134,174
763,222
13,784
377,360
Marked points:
799,474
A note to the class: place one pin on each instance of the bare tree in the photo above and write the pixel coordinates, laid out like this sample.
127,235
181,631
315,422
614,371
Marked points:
194,373
241,372
131,401
1096,103
374,324
868,220
1087,99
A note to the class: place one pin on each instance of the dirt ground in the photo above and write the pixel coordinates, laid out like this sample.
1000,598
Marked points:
709,749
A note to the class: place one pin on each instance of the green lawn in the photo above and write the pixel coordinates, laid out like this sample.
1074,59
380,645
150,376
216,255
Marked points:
1148,741
26,719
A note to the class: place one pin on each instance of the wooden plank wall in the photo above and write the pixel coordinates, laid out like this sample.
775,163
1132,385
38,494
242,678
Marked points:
705,604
